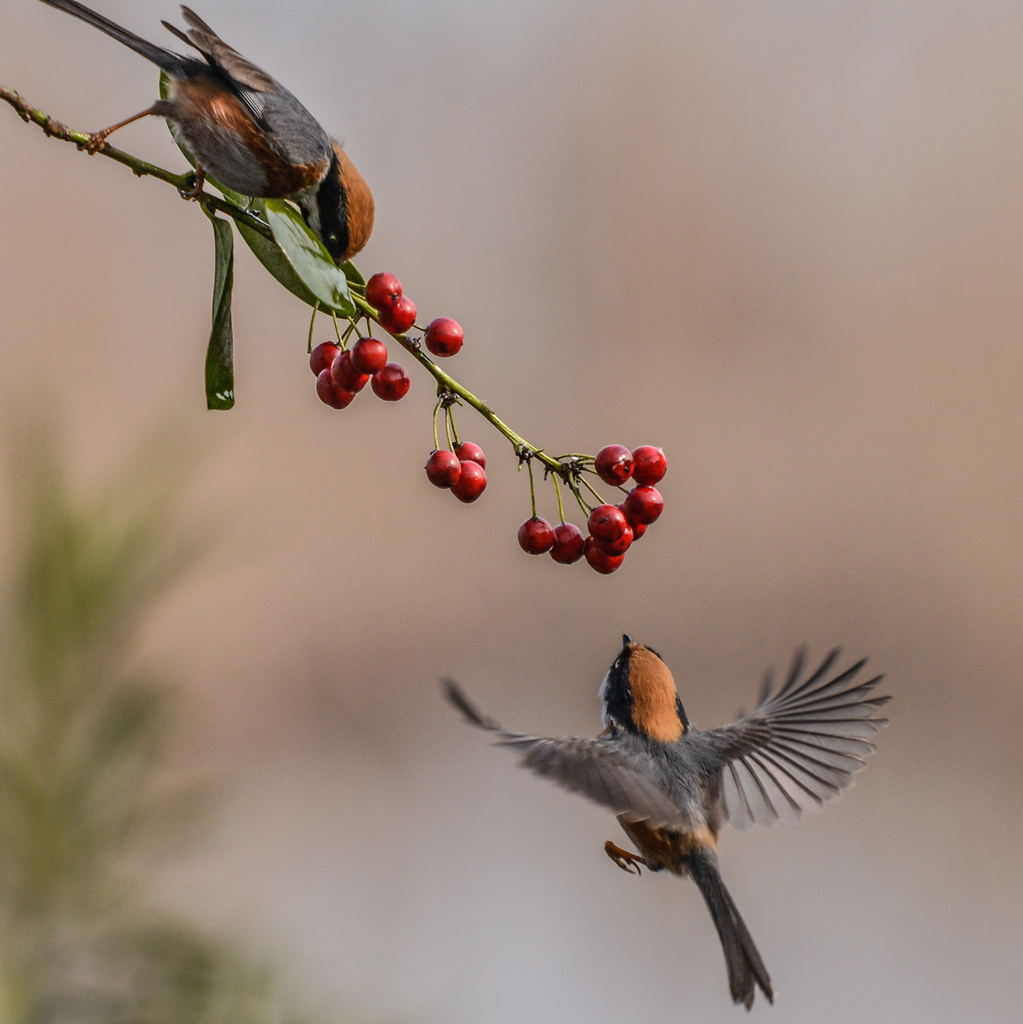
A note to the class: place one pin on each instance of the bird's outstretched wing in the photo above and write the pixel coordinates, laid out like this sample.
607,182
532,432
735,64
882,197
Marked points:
799,747
589,767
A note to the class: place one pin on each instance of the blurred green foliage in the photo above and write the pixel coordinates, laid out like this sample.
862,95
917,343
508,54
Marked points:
80,735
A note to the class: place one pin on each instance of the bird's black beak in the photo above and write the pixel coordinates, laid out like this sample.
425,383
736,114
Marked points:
626,639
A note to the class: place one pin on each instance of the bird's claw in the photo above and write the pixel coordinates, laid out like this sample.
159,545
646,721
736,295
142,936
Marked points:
628,862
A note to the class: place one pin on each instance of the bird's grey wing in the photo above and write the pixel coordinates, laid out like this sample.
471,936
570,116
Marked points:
289,128
592,768
218,53
798,748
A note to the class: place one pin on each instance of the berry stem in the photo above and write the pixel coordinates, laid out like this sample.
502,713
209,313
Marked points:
312,324
436,410
449,383
532,486
557,491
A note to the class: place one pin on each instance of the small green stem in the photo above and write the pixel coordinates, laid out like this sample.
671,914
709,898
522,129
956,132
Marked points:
532,487
312,325
557,491
436,439
449,383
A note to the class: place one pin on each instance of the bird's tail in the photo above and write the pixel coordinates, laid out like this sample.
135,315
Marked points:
744,964
166,59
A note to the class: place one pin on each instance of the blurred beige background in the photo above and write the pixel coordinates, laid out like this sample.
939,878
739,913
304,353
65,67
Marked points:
785,242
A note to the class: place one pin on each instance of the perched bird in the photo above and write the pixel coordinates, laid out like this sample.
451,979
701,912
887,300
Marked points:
672,785
248,132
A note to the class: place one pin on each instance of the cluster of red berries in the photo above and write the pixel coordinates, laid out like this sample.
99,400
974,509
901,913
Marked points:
462,471
612,528
342,373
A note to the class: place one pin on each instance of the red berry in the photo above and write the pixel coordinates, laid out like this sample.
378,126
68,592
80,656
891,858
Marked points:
369,355
568,544
471,482
345,375
536,536
619,546
607,523
649,465
444,336
383,291
322,356
471,453
392,382
330,394
398,318
643,505
599,559
443,468
613,464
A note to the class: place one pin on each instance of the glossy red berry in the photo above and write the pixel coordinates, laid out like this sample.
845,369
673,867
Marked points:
443,336
330,394
619,546
649,465
536,536
568,544
398,318
599,559
443,468
322,356
383,291
606,523
471,452
471,482
345,375
391,383
613,464
369,355
643,505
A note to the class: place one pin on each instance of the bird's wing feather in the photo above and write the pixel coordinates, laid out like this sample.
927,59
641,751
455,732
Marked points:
589,767
218,53
799,748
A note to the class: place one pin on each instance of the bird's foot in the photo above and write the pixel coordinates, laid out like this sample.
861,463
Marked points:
629,862
196,180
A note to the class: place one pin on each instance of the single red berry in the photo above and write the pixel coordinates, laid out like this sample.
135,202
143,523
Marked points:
369,355
392,382
649,465
471,482
536,536
599,559
643,505
619,546
330,394
398,318
471,452
322,356
606,523
568,544
345,375
613,464
443,336
383,291
443,468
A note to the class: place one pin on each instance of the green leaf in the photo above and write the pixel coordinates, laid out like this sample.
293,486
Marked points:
220,351
309,258
270,254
